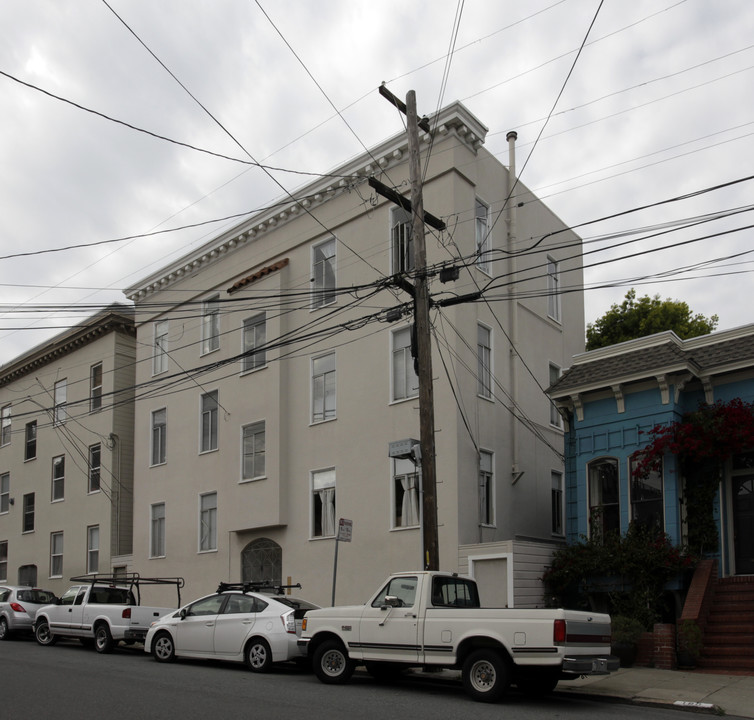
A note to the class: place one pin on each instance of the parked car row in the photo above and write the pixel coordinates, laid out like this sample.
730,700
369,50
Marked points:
237,623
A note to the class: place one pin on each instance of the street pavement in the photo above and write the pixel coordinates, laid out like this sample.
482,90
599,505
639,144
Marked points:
688,690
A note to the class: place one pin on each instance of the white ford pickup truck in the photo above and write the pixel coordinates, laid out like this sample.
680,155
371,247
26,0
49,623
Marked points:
102,610
432,619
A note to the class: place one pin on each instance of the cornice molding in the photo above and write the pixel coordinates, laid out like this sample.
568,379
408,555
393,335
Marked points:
117,318
452,121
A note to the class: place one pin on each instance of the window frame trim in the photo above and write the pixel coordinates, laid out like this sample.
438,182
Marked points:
255,478
324,291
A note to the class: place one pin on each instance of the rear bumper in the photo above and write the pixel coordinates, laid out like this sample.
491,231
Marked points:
136,635
590,665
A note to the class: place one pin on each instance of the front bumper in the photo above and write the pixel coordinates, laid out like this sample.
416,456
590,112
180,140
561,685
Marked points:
590,665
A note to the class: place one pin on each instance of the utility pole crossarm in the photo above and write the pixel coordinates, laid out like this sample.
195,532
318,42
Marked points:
404,202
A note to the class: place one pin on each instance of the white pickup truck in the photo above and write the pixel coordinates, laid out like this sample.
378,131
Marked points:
102,610
434,620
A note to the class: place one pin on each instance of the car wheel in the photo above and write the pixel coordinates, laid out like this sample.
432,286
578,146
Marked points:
163,648
103,640
4,631
43,635
485,675
258,655
332,664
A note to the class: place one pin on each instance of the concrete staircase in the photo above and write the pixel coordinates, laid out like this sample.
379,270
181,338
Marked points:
729,630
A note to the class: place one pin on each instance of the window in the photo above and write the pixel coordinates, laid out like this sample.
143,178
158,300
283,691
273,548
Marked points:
484,361
211,324
555,418
553,289
206,606
253,451
92,549
30,449
646,498
4,560
58,478
406,509
159,436
28,518
323,503
323,273
157,530
95,387
402,587
481,228
95,461
5,425
401,241
405,379
557,503
323,388
604,507
4,492
454,592
56,554
59,414
254,339
160,347
209,422
208,522
486,489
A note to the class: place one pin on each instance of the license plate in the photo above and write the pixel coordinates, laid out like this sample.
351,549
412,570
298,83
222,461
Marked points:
599,666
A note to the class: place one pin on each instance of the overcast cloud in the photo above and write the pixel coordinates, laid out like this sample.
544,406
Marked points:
659,104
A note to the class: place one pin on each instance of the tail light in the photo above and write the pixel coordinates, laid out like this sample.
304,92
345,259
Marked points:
126,614
559,632
289,622
16,607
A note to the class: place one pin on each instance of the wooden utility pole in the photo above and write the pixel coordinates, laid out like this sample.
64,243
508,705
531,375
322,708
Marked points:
423,346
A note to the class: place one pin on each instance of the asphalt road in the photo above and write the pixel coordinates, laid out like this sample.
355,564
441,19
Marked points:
69,681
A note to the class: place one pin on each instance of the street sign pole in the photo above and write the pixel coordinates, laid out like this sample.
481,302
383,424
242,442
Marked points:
345,530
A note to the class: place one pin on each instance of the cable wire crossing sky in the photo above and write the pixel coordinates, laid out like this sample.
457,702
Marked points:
136,131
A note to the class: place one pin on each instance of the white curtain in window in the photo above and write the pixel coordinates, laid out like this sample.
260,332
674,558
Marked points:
410,506
327,497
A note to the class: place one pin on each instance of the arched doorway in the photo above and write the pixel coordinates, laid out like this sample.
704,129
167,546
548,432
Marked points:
262,561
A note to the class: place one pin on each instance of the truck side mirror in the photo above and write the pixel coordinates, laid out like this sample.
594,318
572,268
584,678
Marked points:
391,601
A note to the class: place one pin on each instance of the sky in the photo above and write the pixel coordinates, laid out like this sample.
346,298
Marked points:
617,105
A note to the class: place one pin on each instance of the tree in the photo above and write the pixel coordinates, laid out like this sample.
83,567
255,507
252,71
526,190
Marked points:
637,318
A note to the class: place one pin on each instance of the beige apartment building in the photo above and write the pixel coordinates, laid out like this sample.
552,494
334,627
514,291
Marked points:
66,454
275,375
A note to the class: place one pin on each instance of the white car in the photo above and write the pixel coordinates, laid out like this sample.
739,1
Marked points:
235,624
18,608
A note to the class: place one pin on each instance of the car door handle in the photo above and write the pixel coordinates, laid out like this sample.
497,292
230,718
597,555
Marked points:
209,624
411,615
248,622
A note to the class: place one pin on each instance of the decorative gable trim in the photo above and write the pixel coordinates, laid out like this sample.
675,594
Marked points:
257,275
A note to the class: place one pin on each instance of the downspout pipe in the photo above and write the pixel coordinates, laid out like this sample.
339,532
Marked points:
513,304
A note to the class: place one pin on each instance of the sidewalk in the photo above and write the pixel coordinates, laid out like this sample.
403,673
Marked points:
719,694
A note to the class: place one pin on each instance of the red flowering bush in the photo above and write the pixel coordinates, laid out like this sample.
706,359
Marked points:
702,441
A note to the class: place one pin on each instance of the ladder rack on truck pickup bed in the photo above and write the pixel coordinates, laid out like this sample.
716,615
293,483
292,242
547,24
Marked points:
133,580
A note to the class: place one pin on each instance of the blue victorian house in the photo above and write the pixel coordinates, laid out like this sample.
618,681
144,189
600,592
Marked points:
612,397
